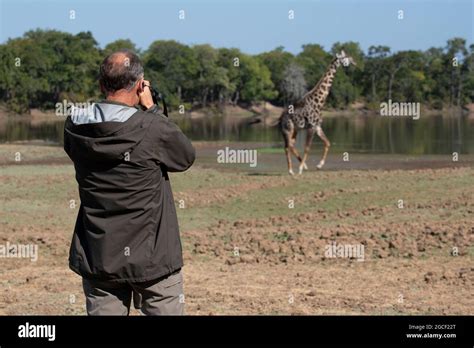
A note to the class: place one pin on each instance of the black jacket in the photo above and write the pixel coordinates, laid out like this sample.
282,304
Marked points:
126,228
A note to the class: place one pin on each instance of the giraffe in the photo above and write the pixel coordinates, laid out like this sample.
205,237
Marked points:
306,114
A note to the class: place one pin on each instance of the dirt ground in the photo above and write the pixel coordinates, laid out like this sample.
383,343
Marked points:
255,241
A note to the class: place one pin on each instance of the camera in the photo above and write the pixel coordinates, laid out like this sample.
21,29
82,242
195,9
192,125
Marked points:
157,97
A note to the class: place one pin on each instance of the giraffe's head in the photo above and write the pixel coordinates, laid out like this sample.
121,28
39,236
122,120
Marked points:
344,59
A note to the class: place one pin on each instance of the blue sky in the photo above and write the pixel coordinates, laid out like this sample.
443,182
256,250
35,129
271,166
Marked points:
254,26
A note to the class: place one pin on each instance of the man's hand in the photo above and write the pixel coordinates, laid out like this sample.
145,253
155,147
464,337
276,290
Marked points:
146,100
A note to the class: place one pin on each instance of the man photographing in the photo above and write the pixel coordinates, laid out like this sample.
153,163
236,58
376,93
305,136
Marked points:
126,239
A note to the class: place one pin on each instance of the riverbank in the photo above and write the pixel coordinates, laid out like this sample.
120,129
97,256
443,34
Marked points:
265,110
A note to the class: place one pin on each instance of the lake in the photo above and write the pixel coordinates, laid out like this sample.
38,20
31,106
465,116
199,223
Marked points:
434,134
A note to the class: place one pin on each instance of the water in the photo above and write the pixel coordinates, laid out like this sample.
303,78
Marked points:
437,134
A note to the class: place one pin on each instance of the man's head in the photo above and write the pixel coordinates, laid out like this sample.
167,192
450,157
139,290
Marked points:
121,77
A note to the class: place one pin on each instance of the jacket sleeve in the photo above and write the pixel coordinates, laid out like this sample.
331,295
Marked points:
175,150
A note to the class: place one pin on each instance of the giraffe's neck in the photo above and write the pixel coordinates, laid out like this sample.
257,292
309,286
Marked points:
321,91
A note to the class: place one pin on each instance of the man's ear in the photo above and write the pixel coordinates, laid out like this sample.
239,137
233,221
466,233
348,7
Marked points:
140,86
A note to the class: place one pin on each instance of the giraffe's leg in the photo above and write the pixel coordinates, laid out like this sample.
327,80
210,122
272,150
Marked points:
307,147
293,149
327,144
287,138
288,161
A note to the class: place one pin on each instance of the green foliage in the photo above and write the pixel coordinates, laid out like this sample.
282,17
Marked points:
374,72
346,89
277,61
44,67
255,80
121,44
228,58
314,61
212,81
173,67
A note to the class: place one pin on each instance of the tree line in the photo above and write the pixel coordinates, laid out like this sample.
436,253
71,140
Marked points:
44,67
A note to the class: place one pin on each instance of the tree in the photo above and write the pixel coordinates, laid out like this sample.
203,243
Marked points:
255,81
469,68
345,88
173,67
249,79
435,81
211,79
121,44
314,60
277,61
456,55
293,84
18,86
374,67
229,59
46,66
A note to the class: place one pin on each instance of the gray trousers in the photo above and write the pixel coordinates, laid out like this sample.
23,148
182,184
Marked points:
163,296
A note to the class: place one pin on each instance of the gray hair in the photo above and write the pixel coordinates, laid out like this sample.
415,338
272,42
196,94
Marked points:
120,70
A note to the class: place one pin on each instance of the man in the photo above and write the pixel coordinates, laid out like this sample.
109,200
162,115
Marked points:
126,239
